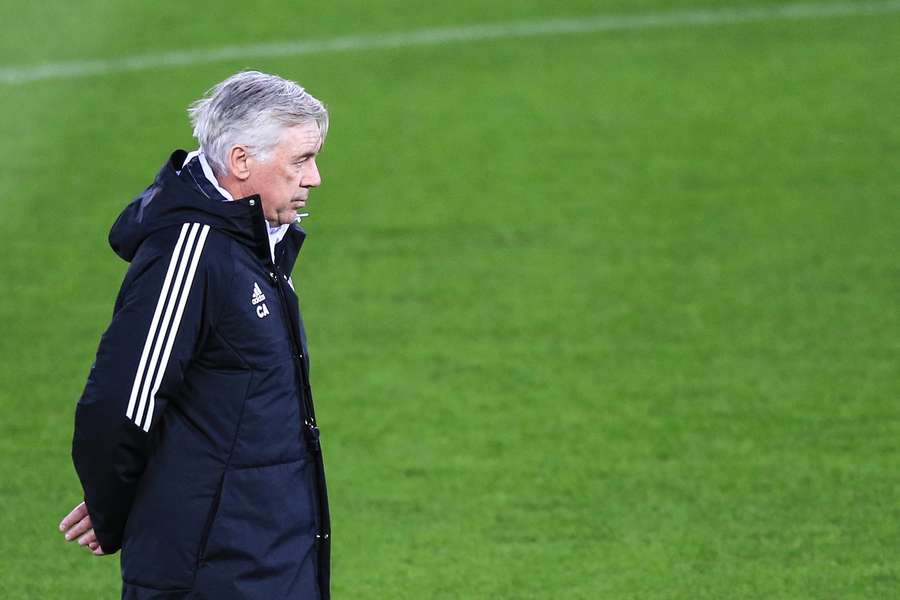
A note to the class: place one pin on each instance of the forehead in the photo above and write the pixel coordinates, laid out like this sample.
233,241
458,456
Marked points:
300,140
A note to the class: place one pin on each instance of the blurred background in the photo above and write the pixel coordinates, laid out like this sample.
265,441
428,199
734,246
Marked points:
602,296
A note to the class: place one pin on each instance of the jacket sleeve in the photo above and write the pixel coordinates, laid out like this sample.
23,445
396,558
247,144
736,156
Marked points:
158,322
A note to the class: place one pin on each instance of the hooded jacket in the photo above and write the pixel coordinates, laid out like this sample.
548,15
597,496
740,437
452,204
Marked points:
195,438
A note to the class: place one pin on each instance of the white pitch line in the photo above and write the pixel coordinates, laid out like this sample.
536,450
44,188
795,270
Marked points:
446,35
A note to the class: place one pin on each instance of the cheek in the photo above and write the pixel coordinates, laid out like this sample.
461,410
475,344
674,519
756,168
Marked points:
290,179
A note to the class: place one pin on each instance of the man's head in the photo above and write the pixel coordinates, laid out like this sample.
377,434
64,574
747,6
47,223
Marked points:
261,135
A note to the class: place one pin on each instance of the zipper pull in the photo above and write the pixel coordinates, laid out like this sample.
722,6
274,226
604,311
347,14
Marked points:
312,436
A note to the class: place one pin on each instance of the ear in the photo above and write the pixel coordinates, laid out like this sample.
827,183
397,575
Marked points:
237,163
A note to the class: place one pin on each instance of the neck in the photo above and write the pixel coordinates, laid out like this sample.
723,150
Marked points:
238,189
234,186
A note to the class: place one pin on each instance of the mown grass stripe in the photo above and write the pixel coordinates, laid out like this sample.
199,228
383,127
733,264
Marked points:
15,75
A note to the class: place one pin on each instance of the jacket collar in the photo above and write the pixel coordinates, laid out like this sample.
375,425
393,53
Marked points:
179,195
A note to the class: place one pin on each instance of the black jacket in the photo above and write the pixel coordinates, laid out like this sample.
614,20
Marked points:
195,438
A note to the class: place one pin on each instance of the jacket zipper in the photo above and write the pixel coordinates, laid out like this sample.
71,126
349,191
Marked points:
309,422
305,403
311,433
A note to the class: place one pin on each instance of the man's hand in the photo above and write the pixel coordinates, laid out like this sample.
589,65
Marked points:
77,525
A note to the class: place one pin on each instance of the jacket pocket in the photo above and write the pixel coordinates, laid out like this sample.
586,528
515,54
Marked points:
262,533
213,509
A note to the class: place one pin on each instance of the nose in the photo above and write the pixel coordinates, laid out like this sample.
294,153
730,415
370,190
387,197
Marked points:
311,176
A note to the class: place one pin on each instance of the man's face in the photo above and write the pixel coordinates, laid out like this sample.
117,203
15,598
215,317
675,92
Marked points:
284,179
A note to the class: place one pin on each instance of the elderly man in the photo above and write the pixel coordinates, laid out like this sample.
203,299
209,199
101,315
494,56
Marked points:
195,438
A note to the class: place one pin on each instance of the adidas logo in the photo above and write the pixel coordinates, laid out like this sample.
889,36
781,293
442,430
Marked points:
258,296
257,300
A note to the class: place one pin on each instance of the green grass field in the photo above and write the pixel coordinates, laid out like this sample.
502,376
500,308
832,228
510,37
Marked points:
605,315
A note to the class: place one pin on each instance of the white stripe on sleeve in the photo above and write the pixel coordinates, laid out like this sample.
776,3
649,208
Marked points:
165,323
163,295
164,328
174,329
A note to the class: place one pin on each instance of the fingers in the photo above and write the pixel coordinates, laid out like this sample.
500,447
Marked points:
77,525
77,514
78,529
87,538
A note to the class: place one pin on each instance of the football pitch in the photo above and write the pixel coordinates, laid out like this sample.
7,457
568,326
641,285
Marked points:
601,296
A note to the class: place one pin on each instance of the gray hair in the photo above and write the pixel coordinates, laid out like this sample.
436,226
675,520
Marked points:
251,109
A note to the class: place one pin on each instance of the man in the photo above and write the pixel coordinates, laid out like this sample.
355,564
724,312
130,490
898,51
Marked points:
195,438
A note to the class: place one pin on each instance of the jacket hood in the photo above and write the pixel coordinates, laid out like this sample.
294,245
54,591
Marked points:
176,197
